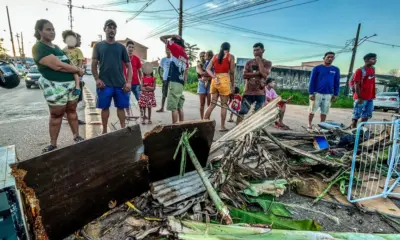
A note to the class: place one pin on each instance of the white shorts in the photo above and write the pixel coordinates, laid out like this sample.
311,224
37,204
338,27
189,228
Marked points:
322,101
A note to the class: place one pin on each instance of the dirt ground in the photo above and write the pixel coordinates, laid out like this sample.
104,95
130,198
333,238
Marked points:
350,218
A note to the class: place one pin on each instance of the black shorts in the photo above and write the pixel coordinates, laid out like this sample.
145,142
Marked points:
258,99
165,85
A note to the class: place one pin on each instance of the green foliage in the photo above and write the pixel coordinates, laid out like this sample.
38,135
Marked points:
241,216
302,98
268,204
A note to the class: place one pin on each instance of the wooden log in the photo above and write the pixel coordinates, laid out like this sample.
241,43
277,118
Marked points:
296,151
161,142
74,185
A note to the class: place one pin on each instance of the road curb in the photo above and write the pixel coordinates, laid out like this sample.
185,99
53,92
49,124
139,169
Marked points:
92,115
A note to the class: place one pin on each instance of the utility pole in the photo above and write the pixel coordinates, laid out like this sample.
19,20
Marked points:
11,35
22,46
180,17
353,58
70,13
19,48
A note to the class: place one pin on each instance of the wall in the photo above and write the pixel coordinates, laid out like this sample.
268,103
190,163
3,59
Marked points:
285,78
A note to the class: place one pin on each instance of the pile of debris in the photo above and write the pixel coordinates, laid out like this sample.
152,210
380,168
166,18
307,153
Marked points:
250,169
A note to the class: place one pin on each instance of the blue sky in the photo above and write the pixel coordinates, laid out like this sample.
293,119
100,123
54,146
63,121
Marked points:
324,21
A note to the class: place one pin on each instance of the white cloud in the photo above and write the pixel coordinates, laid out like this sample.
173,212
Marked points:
211,5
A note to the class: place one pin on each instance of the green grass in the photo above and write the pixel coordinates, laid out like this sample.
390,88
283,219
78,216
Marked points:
301,98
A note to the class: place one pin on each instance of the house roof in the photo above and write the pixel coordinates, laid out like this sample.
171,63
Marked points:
123,42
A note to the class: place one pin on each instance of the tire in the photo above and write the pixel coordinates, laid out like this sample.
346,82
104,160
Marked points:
385,110
28,86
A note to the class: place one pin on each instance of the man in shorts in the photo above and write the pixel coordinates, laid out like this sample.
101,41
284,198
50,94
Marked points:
255,74
164,66
178,73
364,86
111,83
323,87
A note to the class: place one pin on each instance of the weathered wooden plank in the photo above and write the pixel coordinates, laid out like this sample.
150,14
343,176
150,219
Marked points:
161,143
75,184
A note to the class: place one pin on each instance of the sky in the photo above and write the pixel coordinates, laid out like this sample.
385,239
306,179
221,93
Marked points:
328,22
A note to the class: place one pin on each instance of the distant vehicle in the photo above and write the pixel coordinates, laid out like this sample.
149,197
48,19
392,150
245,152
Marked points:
387,101
88,71
32,78
21,69
8,75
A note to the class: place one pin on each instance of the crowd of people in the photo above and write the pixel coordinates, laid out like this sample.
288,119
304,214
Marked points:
118,72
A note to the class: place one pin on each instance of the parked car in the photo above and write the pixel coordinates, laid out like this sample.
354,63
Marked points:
22,71
88,71
387,101
31,79
8,75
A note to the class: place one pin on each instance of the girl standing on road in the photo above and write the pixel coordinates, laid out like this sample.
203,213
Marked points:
222,81
57,82
147,98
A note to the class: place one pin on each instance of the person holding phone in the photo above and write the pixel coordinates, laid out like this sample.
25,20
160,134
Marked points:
255,74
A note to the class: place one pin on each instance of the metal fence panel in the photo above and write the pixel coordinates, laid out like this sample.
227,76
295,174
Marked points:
375,164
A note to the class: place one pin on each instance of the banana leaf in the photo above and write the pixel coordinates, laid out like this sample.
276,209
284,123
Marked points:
273,187
192,230
268,205
240,216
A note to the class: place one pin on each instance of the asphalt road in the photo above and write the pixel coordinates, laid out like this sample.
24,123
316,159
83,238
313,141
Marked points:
24,119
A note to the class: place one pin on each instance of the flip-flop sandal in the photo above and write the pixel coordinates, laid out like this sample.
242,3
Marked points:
159,110
49,148
230,120
78,139
149,122
143,122
224,130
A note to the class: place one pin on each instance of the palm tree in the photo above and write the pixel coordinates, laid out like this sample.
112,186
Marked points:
191,52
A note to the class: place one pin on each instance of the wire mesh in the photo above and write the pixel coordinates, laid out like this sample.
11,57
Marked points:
375,164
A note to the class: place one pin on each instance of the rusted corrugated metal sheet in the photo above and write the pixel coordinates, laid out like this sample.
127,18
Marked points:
175,189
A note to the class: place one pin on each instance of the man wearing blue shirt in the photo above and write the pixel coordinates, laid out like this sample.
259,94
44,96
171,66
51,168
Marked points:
323,88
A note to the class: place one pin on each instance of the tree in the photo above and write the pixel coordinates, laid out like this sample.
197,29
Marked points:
394,72
393,83
191,52
3,51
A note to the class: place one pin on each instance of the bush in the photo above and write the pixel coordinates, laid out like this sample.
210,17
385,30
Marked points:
301,98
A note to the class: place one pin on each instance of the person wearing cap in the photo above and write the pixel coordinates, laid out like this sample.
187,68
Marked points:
111,83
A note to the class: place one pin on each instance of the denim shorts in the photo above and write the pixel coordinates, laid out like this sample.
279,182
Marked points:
363,110
106,94
258,99
202,89
136,91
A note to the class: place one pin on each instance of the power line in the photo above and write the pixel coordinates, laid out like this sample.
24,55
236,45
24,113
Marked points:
381,43
117,3
228,9
173,6
273,10
140,11
109,10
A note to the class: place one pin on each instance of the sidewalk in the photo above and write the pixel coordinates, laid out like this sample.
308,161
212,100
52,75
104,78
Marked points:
296,115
